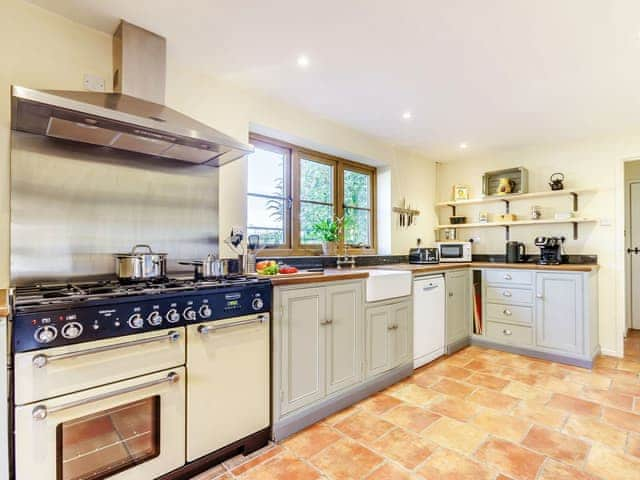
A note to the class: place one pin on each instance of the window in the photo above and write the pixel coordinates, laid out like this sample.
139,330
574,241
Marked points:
291,188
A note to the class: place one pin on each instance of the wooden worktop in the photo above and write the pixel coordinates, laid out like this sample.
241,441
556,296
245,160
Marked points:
333,275
439,267
329,275
4,303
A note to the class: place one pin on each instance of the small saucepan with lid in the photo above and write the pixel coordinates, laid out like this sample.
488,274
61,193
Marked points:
140,265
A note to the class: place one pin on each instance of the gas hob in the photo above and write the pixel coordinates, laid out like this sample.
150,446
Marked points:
53,315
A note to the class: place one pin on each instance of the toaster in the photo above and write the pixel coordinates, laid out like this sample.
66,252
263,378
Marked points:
424,255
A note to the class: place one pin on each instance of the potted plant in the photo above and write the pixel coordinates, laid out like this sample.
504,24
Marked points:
330,233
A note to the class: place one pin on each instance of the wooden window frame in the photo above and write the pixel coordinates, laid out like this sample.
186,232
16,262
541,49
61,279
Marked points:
293,247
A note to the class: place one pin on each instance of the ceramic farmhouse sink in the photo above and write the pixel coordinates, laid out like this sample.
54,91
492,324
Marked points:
386,284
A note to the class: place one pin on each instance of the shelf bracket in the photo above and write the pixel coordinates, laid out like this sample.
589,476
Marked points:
507,233
575,230
507,206
453,209
575,201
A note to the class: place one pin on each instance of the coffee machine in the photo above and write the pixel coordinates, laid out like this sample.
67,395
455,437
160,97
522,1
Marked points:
550,250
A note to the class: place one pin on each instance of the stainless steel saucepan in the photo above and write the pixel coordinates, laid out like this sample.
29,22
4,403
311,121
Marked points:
140,265
213,267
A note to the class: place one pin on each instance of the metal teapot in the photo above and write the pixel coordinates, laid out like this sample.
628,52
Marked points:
556,181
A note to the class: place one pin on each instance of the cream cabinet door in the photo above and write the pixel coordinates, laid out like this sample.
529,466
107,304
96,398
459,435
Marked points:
303,339
344,336
559,312
401,335
229,383
458,305
377,340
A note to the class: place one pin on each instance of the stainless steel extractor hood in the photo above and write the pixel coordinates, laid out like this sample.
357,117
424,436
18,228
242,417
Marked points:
132,119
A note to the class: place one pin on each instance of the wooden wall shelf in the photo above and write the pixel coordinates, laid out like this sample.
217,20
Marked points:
518,196
507,225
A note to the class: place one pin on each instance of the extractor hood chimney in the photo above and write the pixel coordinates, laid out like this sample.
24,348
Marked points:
134,117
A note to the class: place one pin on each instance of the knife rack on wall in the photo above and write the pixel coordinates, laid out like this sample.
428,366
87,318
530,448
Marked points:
406,215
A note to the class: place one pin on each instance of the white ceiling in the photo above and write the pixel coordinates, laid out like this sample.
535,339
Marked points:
491,73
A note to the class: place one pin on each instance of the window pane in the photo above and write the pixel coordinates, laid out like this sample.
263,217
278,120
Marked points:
357,189
357,226
311,213
316,181
266,173
268,216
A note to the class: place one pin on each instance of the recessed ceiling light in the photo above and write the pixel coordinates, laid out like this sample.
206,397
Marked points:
303,61
407,115
463,146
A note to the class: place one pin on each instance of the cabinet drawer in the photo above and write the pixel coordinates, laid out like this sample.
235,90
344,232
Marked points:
518,277
510,313
510,295
511,334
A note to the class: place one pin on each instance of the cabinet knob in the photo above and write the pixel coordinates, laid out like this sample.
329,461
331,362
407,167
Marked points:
507,312
539,295
451,294
507,276
507,332
506,293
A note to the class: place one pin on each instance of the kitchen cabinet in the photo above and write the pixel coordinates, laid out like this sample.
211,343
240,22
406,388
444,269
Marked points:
458,306
344,336
388,336
559,320
321,349
549,314
303,347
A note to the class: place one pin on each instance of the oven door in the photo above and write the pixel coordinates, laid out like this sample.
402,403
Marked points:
57,371
132,429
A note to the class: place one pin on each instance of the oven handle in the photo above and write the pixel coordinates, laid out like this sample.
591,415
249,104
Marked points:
40,360
205,329
40,412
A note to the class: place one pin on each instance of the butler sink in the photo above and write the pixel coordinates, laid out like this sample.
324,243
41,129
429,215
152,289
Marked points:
386,284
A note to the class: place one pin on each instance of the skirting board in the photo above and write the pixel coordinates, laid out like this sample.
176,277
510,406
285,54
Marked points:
308,416
453,347
611,353
553,357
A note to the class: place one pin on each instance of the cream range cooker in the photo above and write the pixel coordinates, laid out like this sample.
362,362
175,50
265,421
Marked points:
140,381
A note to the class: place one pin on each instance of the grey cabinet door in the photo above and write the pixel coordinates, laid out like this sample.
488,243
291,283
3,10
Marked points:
401,334
303,347
559,312
377,341
458,305
344,336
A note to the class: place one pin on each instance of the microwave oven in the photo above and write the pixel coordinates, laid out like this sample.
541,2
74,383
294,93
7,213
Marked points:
454,251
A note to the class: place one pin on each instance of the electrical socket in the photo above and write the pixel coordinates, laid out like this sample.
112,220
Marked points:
93,83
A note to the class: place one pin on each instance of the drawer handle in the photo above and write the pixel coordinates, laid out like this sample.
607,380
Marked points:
205,329
507,312
507,332
506,293
451,294
326,322
39,361
393,327
539,295
507,276
40,412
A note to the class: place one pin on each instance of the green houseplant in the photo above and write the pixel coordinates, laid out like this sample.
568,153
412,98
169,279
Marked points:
330,232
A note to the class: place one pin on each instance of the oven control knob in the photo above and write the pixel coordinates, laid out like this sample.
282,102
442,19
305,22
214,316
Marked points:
136,321
205,311
189,313
257,304
173,316
71,330
46,334
154,319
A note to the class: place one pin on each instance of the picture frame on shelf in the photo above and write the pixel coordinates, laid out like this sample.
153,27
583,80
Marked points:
460,192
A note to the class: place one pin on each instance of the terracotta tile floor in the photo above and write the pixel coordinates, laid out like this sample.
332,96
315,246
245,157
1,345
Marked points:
479,414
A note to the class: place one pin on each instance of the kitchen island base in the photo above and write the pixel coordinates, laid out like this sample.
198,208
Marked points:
299,420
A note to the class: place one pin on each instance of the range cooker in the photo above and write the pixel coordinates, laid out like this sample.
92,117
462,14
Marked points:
136,380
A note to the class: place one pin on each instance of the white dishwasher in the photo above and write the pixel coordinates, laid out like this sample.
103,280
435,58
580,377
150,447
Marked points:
428,319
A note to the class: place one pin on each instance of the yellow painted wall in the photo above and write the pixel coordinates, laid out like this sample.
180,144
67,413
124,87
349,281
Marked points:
586,164
41,50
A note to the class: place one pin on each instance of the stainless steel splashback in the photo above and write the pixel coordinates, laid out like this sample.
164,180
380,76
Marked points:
72,206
